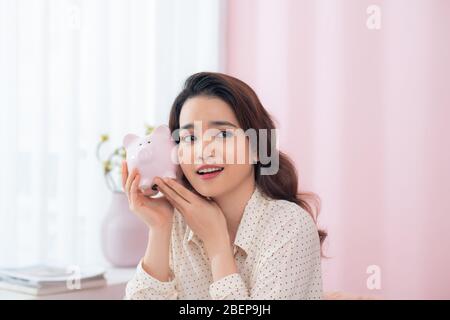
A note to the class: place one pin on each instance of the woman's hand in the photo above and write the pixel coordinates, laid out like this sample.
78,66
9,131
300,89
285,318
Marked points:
203,216
157,213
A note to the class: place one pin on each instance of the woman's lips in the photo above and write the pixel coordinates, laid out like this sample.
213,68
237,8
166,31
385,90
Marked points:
210,175
205,175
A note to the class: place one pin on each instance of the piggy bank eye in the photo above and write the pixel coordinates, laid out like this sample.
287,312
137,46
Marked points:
148,141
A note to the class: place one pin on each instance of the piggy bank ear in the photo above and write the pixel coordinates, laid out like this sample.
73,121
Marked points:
162,131
129,139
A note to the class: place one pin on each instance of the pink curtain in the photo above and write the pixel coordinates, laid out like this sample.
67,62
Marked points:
364,112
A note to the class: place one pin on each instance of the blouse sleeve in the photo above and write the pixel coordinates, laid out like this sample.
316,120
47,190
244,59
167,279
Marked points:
145,287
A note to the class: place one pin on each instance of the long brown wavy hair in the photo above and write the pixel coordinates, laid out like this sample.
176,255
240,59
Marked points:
250,113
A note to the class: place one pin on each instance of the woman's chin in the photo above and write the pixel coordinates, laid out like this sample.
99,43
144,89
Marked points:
210,190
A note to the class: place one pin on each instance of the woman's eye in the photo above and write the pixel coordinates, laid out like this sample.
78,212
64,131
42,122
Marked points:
188,139
225,134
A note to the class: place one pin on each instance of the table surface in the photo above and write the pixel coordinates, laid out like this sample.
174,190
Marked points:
114,290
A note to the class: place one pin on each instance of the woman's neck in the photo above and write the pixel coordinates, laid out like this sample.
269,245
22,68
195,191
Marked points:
233,204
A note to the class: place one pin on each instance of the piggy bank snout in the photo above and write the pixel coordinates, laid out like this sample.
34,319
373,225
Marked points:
144,154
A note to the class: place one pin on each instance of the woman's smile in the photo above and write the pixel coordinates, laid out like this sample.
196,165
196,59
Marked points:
207,172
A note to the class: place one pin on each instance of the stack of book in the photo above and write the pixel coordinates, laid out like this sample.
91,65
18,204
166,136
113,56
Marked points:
45,280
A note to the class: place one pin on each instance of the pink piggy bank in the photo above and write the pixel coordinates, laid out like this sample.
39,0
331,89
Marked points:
152,156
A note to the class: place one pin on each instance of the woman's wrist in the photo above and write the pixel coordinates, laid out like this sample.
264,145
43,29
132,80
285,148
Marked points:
160,227
222,264
159,231
218,246
156,258
221,257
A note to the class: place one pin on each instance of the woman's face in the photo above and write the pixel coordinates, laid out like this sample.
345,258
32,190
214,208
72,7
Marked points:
210,135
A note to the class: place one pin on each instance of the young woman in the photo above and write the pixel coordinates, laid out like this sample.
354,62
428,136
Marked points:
225,230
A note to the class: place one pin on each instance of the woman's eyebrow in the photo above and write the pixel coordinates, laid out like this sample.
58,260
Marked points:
211,123
222,123
187,126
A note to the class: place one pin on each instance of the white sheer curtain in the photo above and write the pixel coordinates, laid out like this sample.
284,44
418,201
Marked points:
71,70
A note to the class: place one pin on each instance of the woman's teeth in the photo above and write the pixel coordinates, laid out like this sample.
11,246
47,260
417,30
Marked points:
209,170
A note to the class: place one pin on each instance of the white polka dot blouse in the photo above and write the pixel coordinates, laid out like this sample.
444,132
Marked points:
277,253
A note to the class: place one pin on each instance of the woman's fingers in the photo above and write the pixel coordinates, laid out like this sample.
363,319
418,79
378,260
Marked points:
124,174
130,180
134,191
173,197
181,190
173,203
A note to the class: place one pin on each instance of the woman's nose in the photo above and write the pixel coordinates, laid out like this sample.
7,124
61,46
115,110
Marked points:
204,149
